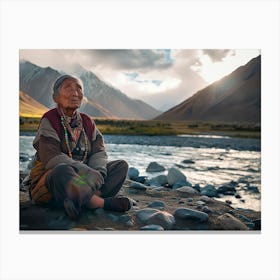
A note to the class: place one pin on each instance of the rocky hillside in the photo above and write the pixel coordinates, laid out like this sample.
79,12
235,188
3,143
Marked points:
102,99
234,98
29,107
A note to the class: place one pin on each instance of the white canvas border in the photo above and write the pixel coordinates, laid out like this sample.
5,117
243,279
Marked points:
164,24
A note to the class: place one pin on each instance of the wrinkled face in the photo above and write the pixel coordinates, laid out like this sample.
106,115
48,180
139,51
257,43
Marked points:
70,94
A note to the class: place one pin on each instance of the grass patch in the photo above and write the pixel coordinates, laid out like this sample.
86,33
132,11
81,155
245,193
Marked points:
152,127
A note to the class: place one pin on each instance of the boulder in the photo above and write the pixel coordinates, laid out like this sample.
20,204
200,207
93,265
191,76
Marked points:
154,167
148,216
187,213
209,190
133,173
229,222
175,175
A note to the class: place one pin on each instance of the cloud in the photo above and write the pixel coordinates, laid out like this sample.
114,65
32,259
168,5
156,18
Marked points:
218,55
129,59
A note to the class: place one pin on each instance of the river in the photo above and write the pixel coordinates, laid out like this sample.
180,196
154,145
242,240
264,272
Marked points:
217,160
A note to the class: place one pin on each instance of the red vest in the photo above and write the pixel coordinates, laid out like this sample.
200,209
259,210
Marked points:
54,119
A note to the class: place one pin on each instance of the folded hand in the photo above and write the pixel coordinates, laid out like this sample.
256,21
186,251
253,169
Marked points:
94,178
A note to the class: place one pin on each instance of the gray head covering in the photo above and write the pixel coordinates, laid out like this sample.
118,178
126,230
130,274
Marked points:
60,80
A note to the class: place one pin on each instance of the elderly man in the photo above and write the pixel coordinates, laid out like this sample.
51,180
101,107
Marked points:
71,167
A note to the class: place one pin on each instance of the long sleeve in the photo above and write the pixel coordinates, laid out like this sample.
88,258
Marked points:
98,157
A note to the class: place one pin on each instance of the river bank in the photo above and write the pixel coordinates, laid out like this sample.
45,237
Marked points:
165,203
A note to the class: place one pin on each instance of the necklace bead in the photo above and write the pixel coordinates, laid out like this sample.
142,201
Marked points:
68,142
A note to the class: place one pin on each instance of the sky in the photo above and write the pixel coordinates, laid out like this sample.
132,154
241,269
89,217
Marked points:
160,77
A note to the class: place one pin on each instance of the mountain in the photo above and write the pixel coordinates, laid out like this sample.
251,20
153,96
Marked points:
234,98
102,100
114,100
29,107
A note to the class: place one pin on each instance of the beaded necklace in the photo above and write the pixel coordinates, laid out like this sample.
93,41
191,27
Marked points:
67,140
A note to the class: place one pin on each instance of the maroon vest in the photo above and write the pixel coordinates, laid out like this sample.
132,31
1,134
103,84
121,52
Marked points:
54,119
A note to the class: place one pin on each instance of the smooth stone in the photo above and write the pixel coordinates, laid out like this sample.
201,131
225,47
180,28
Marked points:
62,222
137,186
229,222
253,189
188,161
153,182
141,179
175,175
190,199
187,213
226,188
154,167
206,209
244,218
112,217
201,203
152,227
157,204
153,216
197,187
181,184
133,173
205,198
209,190
162,179
237,196
186,191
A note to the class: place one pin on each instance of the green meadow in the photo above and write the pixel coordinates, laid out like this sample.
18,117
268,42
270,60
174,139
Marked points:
152,127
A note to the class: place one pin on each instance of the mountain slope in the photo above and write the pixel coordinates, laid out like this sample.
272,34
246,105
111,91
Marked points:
29,107
114,100
102,99
234,98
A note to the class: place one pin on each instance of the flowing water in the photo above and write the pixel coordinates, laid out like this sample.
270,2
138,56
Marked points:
216,160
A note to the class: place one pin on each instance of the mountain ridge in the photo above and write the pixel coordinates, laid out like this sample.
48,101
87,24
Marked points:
234,98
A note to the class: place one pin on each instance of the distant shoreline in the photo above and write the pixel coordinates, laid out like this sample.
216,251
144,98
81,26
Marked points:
157,128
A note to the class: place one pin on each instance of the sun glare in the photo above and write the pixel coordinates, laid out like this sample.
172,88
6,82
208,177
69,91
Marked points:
212,71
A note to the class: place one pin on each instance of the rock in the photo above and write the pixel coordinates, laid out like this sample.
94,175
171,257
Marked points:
127,220
157,204
175,175
206,209
226,188
152,227
188,161
161,179
229,222
61,222
201,203
237,196
187,213
24,157
253,189
154,167
209,190
197,187
141,179
112,217
181,184
244,218
257,224
228,201
148,216
132,173
137,186
186,191
205,198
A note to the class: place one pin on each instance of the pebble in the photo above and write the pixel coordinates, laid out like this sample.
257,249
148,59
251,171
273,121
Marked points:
133,173
206,209
186,191
229,222
253,189
148,216
188,161
157,204
154,167
187,213
141,179
209,190
205,198
152,227
181,184
175,175
137,186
